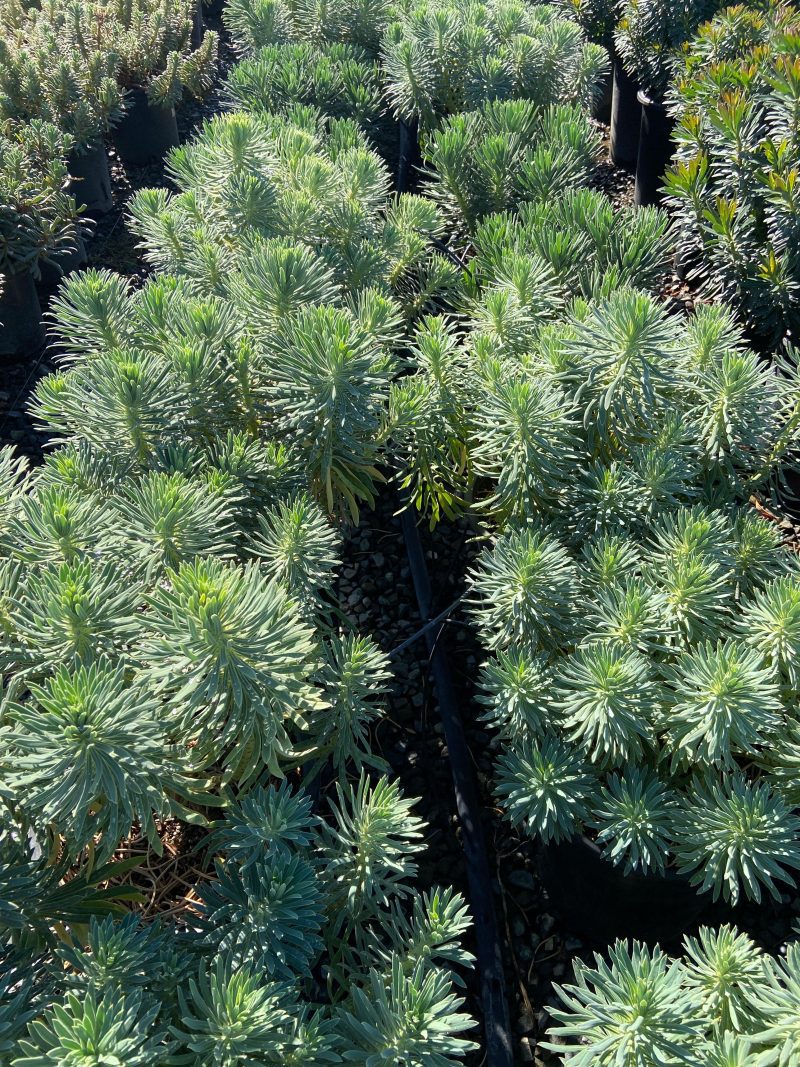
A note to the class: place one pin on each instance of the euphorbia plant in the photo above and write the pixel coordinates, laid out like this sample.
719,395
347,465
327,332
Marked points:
338,79
292,894
289,222
633,611
505,154
468,411
656,722
724,1002
51,70
732,187
151,43
166,581
256,23
172,643
38,218
441,58
649,36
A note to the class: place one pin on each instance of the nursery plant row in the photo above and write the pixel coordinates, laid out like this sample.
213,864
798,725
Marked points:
388,267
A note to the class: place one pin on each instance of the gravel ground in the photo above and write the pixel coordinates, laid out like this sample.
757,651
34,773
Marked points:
615,182
377,590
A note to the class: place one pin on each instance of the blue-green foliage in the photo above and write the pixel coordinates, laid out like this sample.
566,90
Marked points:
440,57
648,714
597,414
505,153
723,1002
338,79
240,982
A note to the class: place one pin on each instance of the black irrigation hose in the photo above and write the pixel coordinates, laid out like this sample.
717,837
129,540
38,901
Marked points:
490,960
497,1029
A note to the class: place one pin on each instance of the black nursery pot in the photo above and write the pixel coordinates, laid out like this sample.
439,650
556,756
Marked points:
53,272
90,180
214,8
602,105
21,330
655,151
198,26
626,119
600,903
146,131
409,157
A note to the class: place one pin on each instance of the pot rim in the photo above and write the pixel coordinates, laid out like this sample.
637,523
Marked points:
669,874
91,148
648,101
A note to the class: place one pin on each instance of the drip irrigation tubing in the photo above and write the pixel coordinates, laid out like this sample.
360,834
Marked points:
488,951
489,955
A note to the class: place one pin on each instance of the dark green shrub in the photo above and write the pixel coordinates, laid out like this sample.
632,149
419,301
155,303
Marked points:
732,189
